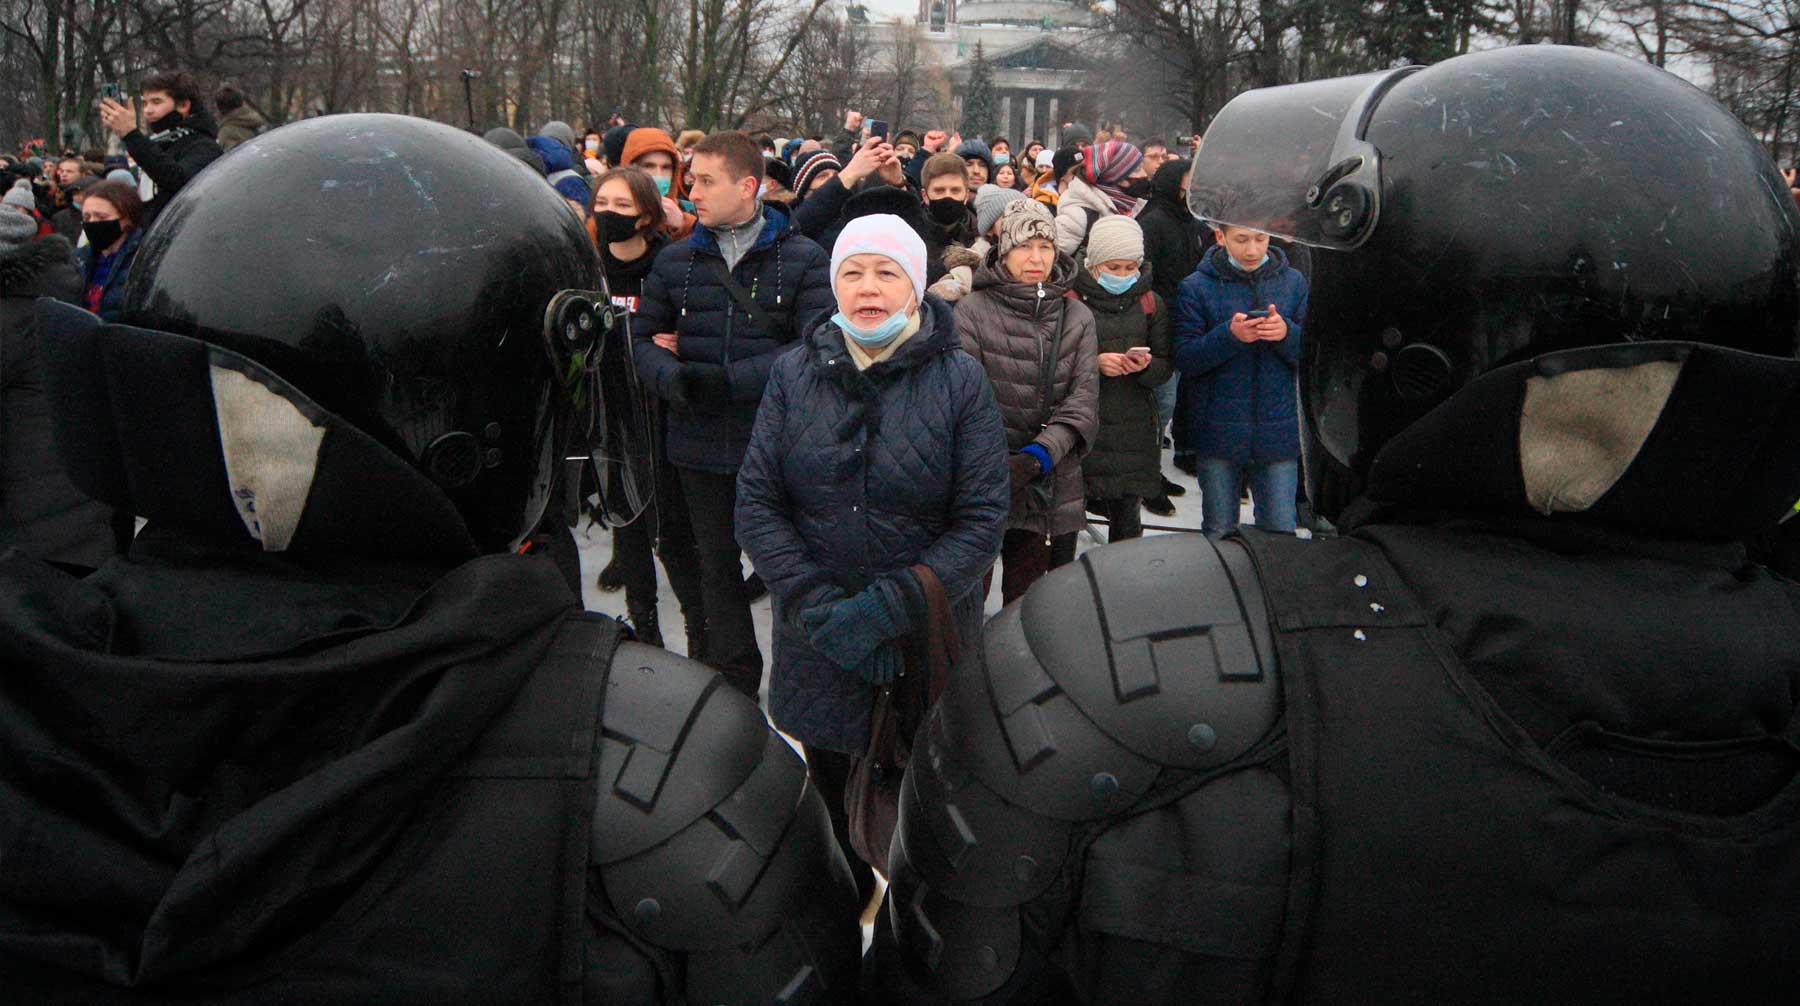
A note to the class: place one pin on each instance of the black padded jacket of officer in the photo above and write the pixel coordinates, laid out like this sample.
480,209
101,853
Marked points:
789,278
40,511
1515,755
231,775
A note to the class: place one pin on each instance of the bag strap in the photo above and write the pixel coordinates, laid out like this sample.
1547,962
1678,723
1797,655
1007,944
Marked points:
1047,368
758,316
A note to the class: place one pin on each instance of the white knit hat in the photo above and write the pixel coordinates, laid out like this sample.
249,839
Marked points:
883,234
1113,237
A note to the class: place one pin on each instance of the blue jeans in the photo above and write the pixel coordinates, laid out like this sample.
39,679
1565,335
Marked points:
1273,486
1165,402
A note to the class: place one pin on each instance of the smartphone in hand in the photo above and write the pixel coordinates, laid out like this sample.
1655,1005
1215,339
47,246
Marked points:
878,128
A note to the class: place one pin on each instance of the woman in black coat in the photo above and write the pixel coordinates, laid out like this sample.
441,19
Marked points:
41,512
627,227
878,447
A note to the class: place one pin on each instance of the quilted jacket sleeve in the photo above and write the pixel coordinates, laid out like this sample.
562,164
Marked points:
1202,344
763,520
1074,422
659,369
981,497
1288,349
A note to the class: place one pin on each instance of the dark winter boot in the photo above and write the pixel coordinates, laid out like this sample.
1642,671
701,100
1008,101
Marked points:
696,638
643,624
611,577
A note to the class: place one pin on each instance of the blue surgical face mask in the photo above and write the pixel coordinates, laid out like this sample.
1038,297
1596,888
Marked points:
1000,159
662,183
1114,284
872,338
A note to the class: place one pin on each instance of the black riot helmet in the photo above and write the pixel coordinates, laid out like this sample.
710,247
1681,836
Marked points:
1493,208
407,279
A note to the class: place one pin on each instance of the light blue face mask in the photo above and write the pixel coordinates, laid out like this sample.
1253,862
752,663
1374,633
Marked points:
1000,159
872,338
662,183
1114,284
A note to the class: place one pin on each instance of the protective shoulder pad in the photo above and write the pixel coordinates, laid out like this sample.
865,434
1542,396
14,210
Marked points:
1149,654
675,745
709,840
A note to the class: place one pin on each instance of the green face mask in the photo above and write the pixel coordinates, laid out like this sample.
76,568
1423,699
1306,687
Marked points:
663,182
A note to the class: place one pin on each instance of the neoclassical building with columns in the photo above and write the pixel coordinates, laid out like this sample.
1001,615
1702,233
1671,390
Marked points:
1034,48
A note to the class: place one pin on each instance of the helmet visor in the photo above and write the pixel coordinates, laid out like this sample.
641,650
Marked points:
1272,156
614,424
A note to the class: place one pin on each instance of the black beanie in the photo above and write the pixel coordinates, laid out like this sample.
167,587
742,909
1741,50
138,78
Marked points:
614,143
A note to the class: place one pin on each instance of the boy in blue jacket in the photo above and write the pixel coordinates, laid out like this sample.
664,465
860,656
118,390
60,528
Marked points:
1237,338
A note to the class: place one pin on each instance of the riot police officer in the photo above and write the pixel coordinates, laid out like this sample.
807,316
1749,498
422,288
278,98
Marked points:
322,736
1525,731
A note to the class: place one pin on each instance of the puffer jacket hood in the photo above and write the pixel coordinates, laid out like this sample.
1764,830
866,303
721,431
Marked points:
648,139
853,476
1008,326
1165,185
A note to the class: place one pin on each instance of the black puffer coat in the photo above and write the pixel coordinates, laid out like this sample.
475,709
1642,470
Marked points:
1127,456
40,511
854,475
790,278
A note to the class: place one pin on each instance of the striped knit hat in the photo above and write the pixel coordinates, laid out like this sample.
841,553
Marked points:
883,234
808,166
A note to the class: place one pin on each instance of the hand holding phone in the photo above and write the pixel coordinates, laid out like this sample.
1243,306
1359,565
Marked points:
878,128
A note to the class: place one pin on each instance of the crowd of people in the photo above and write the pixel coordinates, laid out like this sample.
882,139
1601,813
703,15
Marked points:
879,364
882,364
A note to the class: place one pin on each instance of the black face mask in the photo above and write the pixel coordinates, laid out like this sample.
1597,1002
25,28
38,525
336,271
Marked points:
616,227
948,211
102,233
1137,188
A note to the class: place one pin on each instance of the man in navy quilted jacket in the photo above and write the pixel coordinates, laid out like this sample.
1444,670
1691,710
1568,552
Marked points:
716,311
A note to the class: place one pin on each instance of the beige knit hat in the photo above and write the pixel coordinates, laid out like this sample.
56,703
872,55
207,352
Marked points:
1114,237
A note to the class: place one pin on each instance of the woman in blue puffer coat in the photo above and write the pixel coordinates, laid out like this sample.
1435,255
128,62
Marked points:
878,447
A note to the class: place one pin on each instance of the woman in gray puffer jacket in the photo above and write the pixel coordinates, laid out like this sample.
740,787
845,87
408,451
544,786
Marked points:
1039,349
